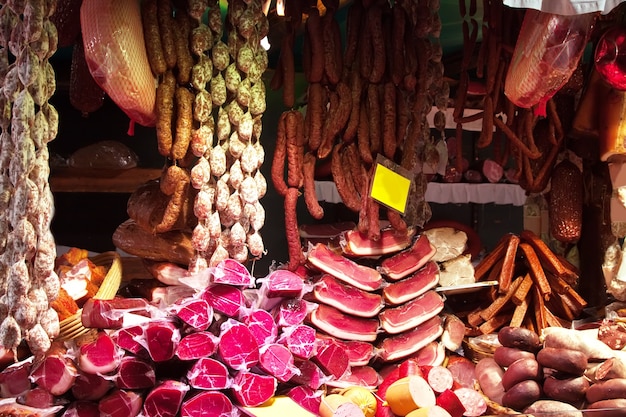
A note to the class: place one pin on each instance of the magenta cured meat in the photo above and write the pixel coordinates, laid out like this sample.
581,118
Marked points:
130,339
343,326
196,312
344,269
165,400
226,299
197,345
277,360
231,272
404,344
109,314
346,297
354,243
161,338
299,339
282,283
359,353
89,387
209,373
311,376
364,376
238,347
413,286
120,403
292,312
408,261
306,397
451,403
332,359
135,373
413,313
253,389
100,355
212,403
262,325
14,379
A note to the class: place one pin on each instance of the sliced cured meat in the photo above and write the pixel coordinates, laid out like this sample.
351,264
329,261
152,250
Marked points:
354,243
413,313
344,269
364,376
434,353
409,260
197,345
344,326
292,311
262,325
346,297
253,389
413,286
165,399
359,353
306,397
407,343
332,359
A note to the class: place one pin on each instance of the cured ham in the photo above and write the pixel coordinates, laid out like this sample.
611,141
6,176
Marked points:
409,260
343,326
344,269
407,343
116,55
413,313
354,243
347,298
415,285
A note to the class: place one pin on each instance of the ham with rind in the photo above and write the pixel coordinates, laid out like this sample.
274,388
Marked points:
347,298
354,243
413,286
413,313
343,326
404,344
344,269
409,260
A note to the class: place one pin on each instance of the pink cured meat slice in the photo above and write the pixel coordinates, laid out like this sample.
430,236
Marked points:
135,373
208,373
408,261
252,389
413,286
404,344
161,338
364,376
197,345
226,299
332,359
343,326
232,272
262,325
56,372
492,170
363,277
413,313
165,400
284,284
196,312
101,355
346,297
238,347
359,353
207,403
299,339
277,360
433,354
354,243
306,397
120,403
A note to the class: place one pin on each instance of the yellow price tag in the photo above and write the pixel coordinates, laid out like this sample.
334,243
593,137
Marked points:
390,188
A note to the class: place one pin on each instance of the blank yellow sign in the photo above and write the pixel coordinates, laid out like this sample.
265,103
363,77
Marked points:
390,188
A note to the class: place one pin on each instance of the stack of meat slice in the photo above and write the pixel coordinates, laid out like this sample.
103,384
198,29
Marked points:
392,307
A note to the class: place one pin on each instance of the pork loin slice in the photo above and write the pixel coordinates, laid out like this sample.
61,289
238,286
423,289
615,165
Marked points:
197,345
165,400
354,243
404,344
277,360
433,354
422,280
346,297
344,269
251,390
232,272
208,373
238,347
226,299
409,260
262,325
343,326
399,319
208,403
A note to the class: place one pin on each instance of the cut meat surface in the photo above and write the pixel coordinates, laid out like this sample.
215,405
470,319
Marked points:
238,347
207,403
346,297
231,272
332,359
226,299
343,326
415,285
404,344
408,261
165,400
282,283
120,403
299,339
209,373
253,389
161,339
354,243
277,360
262,325
344,269
413,313
196,312
197,345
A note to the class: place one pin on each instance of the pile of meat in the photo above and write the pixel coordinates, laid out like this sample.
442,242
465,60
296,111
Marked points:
28,122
